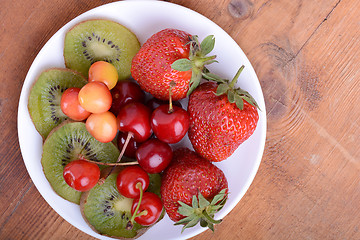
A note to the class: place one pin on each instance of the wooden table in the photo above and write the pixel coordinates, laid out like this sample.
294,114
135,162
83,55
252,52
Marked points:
307,57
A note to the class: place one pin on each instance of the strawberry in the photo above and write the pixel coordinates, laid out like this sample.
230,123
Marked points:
171,55
221,118
193,189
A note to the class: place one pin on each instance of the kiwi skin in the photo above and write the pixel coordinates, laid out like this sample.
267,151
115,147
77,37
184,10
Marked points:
83,201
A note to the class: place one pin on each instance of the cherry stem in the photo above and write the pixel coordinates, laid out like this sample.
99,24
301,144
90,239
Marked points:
130,224
171,86
129,136
113,164
117,163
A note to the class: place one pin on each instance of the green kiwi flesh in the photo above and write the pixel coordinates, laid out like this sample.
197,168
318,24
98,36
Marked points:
108,212
45,96
100,40
68,142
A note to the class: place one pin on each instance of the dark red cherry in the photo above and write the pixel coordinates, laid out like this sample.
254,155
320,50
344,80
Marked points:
131,147
135,118
169,126
149,210
125,92
130,180
154,155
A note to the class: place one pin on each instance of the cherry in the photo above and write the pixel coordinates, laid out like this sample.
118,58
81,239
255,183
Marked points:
104,72
148,209
170,123
70,105
81,175
170,126
135,118
102,126
125,92
154,155
95,97
132,181
130,148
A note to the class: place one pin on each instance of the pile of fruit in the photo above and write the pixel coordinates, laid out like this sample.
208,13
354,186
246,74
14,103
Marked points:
110,120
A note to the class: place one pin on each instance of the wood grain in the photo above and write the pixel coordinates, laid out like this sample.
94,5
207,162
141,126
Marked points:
306,55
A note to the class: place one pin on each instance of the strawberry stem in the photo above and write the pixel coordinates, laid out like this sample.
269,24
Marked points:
208,218
199,62
234,80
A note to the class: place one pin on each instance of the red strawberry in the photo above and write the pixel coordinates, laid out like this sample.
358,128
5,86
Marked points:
153,66
193,189
221,118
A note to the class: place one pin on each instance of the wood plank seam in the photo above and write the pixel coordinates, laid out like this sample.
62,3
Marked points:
316,29
336,144
17,204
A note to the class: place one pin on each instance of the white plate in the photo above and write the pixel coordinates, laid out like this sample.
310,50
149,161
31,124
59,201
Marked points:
145,18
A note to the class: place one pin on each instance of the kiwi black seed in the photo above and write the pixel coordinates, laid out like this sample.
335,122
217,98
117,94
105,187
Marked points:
108,212
67,142
45,96
100,40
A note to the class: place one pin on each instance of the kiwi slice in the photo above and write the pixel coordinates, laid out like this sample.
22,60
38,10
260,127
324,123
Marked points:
67,142
108,212
45,96
100,40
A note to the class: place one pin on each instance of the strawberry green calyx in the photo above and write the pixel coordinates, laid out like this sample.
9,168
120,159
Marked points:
197,60
201,210
234,95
